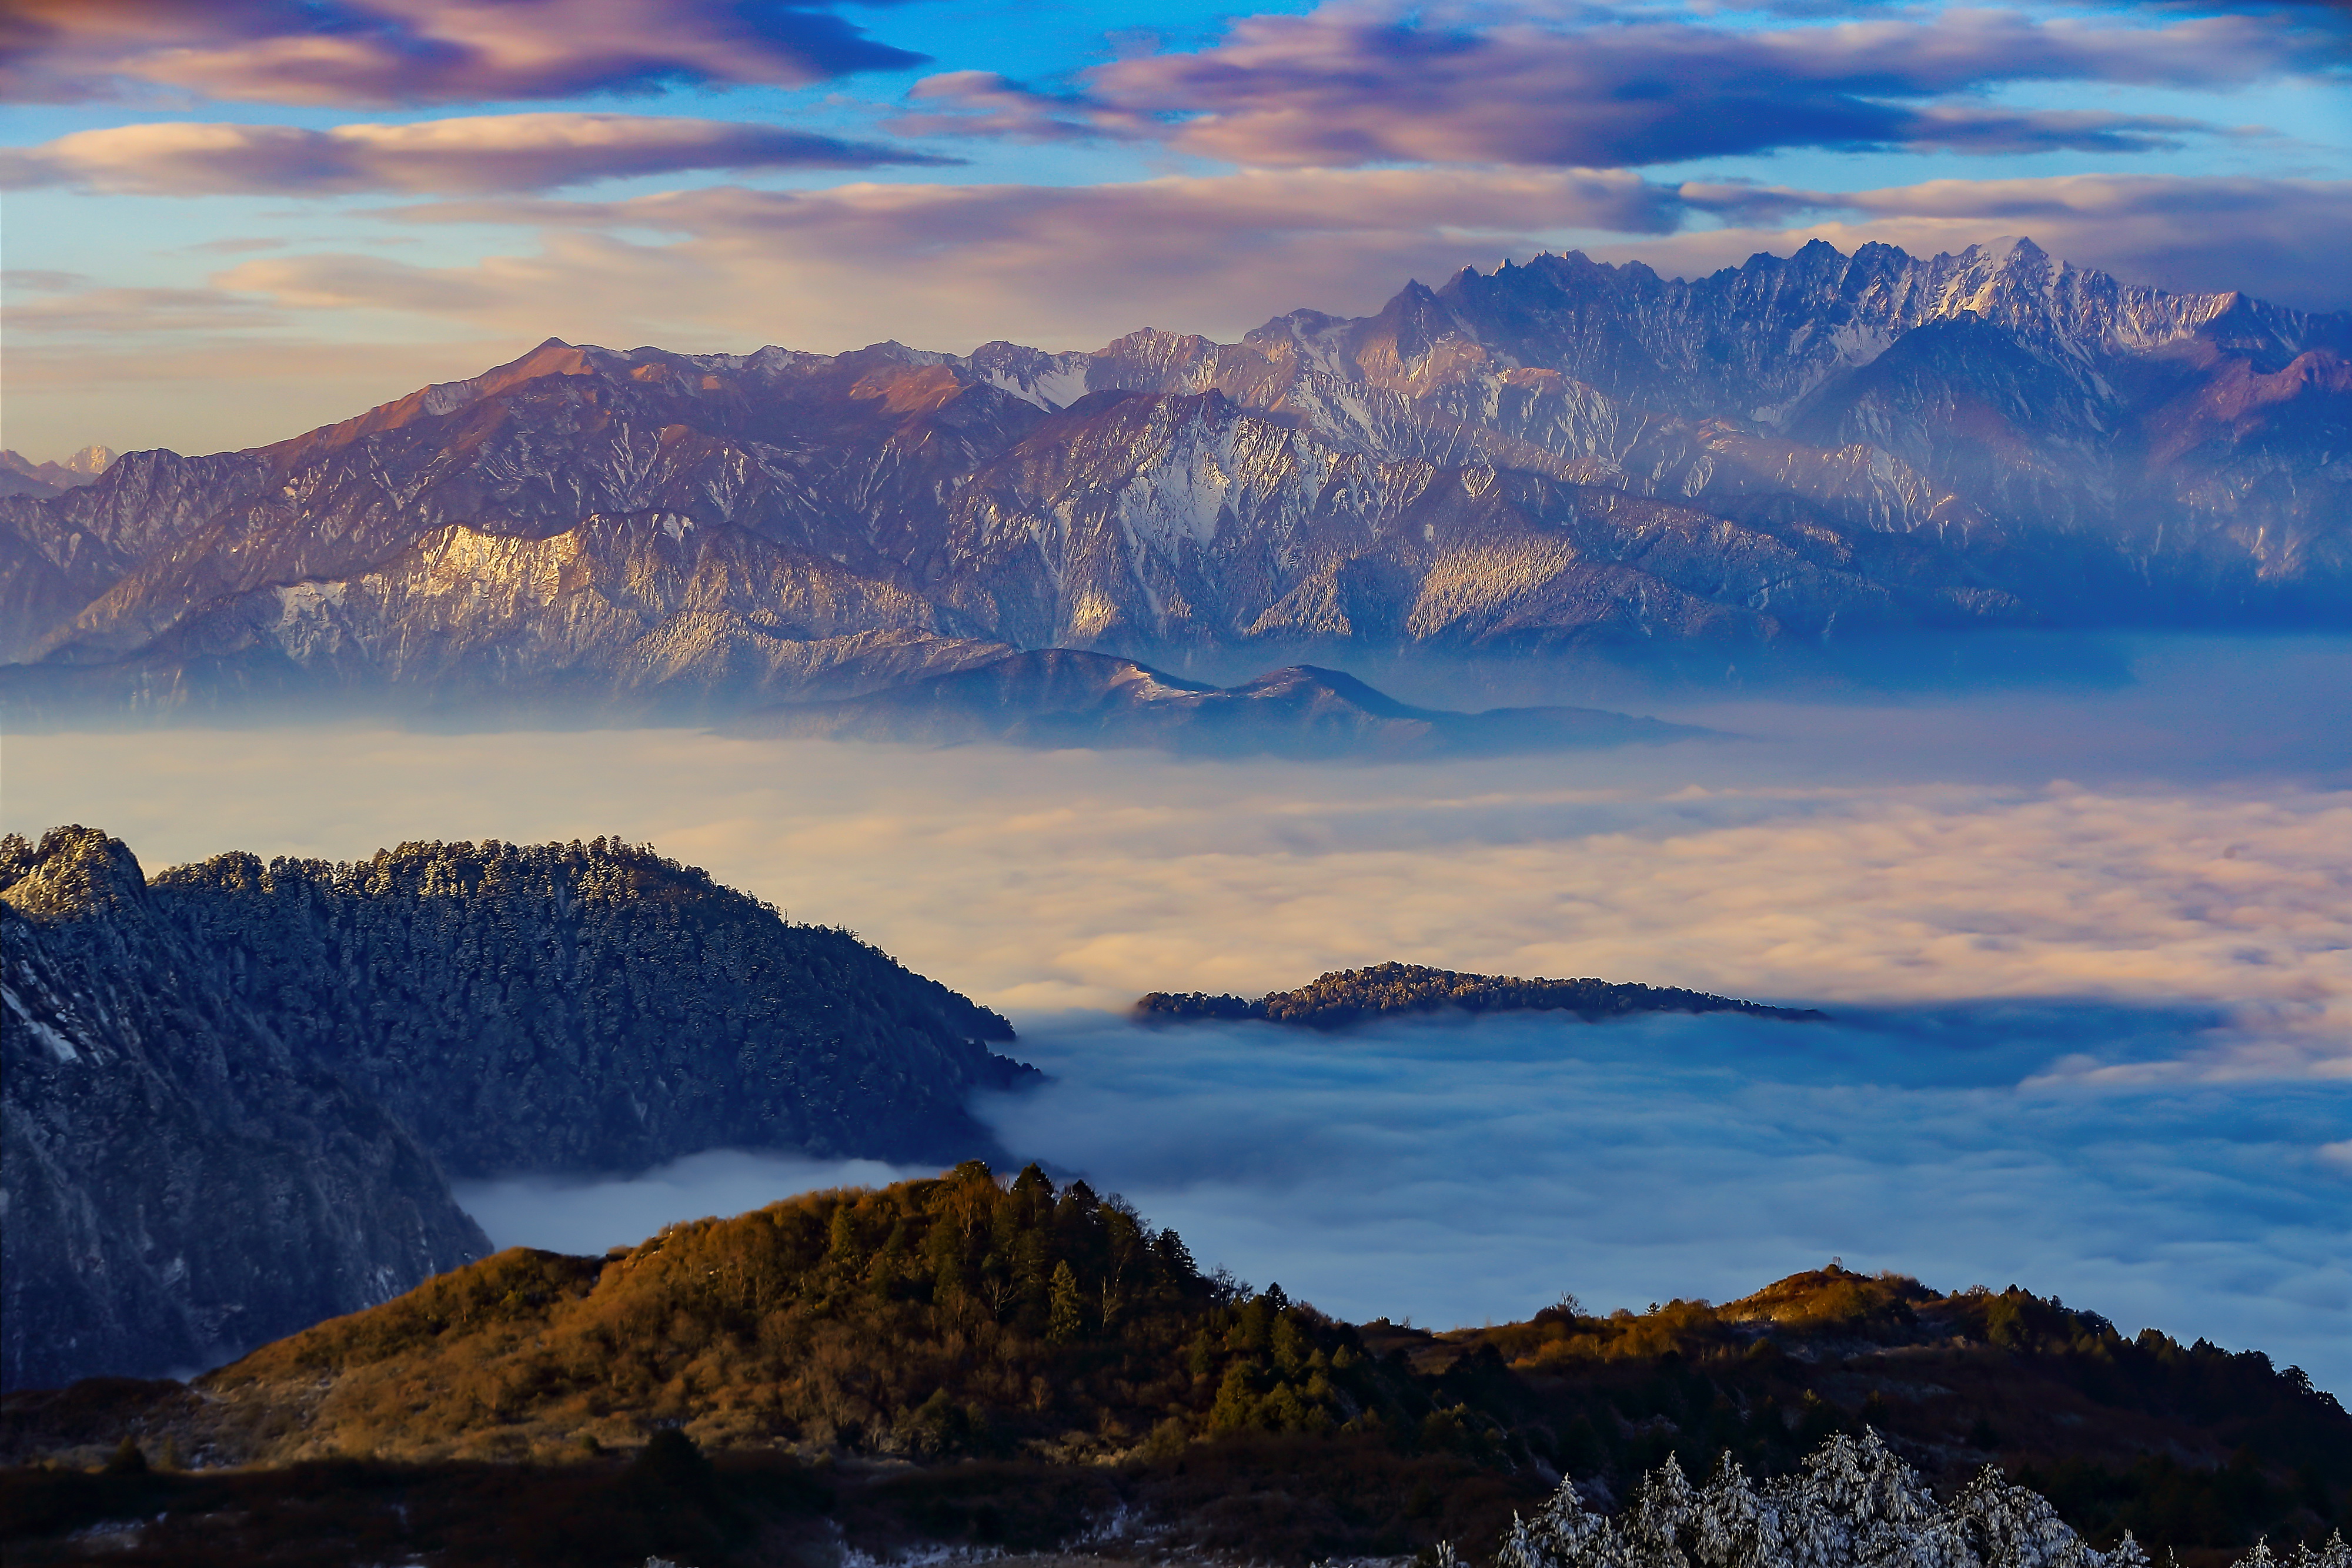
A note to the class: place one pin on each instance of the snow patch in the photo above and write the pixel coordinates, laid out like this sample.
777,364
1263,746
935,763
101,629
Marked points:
59,1046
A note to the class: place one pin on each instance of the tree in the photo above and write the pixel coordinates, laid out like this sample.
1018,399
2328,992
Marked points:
1066,1310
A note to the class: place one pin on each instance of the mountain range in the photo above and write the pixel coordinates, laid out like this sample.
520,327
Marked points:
1561,454
235,1091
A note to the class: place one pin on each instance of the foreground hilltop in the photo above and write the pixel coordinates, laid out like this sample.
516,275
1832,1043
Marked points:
1045,1360
1557,456
235,1091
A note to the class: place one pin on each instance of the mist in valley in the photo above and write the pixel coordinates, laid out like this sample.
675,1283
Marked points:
2084,933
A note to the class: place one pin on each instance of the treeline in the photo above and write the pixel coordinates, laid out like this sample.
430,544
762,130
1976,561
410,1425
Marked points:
1345,995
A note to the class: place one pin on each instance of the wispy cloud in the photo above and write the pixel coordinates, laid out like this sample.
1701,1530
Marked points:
379,53
1059,266
475,155
1350,84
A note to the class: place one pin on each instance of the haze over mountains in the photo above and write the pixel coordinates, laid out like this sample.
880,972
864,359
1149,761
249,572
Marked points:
1559,456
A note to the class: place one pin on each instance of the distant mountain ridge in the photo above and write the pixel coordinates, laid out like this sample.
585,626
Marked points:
234,1091
1342,997
1561,454
1066,697
20,476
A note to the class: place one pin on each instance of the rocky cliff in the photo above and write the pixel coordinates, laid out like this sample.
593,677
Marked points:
233,1092
1559,455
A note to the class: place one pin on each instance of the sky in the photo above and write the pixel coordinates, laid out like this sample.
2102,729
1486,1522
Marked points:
228,221
2087,947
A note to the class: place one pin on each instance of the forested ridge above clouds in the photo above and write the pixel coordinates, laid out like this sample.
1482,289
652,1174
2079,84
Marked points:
1561,455
351,1032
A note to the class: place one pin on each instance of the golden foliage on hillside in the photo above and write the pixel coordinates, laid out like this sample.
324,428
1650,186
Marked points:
928,1318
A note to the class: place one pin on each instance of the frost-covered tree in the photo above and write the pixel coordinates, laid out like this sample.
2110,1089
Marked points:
1852,1504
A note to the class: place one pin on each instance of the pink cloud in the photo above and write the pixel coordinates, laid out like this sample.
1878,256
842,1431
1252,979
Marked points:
386,52
1351,84
475,155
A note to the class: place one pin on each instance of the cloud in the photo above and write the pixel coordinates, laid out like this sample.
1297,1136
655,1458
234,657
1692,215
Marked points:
1861,855
2094,1037
1054,265
1077,265
475,155
373,53
1353,84
985,103
1061,266
586,1215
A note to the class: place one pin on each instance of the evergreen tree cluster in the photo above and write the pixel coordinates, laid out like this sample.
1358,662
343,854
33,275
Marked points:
957,1315
1342,997
575,1006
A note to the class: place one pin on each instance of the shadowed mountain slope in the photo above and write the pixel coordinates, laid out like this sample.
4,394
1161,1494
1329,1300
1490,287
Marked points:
233,1090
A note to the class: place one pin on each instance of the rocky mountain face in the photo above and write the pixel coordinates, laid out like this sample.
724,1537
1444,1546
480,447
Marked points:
1559,455
1064,698
235,1092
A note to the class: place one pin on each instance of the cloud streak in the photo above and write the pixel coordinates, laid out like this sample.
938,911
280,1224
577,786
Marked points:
383,53
1351,84
475,155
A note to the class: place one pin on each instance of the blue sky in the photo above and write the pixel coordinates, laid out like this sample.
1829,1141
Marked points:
228,222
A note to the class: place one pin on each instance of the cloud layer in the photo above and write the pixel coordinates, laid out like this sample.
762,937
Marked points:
2092,1036
1468,1171
475,155
380,53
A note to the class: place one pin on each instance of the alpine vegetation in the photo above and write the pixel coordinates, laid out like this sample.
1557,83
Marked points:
1852,1502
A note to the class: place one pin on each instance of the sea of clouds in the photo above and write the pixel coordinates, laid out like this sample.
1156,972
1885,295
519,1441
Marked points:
2087,947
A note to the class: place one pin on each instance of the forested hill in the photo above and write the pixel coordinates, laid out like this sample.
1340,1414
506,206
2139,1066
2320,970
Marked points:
1047,1358
233,1092
569,1006
1348,996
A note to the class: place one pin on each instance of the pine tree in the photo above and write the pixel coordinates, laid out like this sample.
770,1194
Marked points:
1066,1310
